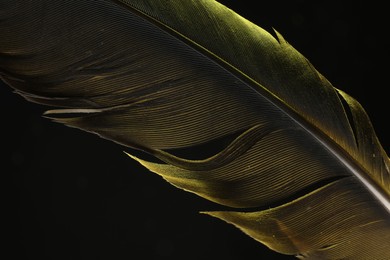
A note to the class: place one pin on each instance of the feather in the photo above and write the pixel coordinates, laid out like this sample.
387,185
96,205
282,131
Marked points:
300,168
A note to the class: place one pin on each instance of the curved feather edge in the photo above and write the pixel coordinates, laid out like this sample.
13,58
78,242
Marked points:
280,229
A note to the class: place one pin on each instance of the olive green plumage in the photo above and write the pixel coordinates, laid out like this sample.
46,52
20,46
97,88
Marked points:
161,76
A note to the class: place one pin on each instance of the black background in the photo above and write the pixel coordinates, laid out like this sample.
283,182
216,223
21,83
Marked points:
72,195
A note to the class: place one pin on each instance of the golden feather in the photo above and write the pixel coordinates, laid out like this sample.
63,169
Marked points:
165,77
